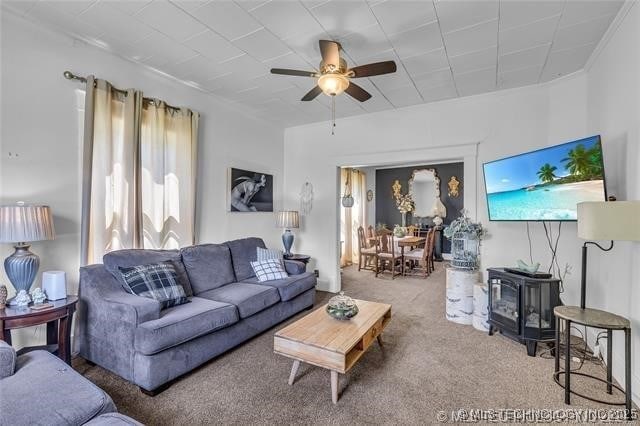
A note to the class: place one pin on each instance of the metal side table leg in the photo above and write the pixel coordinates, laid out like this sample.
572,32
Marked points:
567,363
627,371
556,350
609,360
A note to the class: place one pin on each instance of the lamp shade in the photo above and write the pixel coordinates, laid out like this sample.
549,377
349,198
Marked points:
23,223
287,219
609,220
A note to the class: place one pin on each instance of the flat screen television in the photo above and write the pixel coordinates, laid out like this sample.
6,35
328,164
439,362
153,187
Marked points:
547,184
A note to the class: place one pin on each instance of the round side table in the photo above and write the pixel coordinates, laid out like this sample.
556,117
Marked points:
593,318
299,257
58,319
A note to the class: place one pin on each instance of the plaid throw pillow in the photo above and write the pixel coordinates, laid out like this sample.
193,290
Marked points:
266,254
156,281
269,270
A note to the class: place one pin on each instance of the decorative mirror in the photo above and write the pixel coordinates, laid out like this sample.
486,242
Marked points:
424,187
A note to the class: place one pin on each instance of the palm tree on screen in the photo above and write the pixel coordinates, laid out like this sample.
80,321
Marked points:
578,161
546,173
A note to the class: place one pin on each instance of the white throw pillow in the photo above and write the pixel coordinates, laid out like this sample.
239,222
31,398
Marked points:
269,270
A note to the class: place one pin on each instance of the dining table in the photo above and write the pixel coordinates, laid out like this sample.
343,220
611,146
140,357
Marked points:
401,242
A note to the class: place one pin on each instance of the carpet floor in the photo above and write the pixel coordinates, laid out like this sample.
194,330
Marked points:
427,365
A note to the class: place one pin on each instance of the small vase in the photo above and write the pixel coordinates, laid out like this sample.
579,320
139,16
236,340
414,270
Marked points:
3,296
404,219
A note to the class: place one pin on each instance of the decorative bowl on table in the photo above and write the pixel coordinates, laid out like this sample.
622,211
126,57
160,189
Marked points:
342,307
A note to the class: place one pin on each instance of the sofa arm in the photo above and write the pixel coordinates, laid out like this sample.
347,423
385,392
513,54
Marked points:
7,360
101,291
294,267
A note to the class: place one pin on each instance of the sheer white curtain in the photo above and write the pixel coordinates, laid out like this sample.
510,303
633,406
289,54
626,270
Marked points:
139,164
168,166
353,217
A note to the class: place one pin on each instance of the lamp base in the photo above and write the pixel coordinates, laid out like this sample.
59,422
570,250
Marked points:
21,268
287,241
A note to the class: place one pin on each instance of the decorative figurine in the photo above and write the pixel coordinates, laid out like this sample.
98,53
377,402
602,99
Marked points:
453,187
396,187
3,296
22,299
369,195
38,296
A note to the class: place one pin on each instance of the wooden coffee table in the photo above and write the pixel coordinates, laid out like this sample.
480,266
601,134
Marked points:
329,343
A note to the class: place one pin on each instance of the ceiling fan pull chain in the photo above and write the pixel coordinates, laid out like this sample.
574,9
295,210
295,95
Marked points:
333,115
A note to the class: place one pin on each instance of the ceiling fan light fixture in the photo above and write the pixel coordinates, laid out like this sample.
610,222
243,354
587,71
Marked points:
333,84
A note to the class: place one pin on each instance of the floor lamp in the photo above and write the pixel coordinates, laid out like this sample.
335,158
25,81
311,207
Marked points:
602,221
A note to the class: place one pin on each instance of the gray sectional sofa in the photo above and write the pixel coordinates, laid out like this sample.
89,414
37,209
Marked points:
132,337
38,388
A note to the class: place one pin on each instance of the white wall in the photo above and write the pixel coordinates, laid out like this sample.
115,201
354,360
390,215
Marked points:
40,124
613,87
502,124
370,176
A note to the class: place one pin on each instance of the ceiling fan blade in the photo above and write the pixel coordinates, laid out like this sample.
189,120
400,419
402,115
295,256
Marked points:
284,71
312,94
357,92
376,68
330,51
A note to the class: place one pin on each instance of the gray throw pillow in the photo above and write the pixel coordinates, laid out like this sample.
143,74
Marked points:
266,254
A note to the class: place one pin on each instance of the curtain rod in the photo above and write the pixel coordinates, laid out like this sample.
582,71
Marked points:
71,76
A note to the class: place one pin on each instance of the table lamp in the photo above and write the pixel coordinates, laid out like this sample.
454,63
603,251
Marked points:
21,224
287,219
605,220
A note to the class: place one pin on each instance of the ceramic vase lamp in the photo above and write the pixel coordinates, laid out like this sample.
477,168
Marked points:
287,219
21,224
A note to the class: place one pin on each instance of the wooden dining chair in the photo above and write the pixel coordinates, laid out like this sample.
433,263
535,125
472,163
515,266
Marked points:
365,252
412,230
371,235
420,257
386,253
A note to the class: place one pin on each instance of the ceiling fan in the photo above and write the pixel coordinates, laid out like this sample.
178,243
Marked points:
334,77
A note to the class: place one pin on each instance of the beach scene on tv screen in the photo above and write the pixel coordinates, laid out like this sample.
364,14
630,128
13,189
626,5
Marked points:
546,184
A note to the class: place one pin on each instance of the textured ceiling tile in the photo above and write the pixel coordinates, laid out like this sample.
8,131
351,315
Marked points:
580,34
434,79
170,20
400,16
476,82
340,17
523,59
520,77
481,59
518,13
439,93
563,62
213,46
528,36
472,39
457,14
365,42
580,11
128,7
227,19
403,96
106,17
262,45
426,62
418,40
286,19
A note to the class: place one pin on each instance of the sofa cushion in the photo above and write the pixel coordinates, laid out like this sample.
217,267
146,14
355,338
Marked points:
7,359
46,391
290,287
157,281
243,252
133,257
182,323
208,266
248,298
